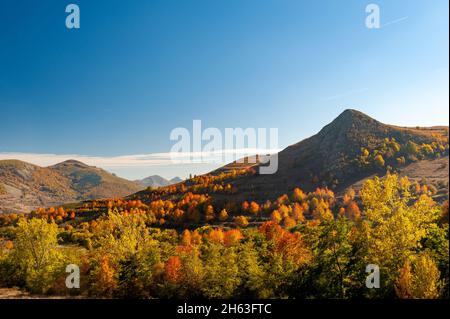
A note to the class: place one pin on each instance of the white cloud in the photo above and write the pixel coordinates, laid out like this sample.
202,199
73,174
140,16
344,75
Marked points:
138,160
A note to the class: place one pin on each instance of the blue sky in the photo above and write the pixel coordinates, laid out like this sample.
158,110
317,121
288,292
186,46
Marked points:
137,69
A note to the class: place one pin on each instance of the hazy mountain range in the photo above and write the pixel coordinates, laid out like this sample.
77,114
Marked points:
158,181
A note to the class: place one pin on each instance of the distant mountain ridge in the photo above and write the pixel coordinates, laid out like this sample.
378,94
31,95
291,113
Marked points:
24,186
158,181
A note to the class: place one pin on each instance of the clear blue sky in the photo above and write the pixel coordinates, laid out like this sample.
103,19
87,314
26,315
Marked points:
137,69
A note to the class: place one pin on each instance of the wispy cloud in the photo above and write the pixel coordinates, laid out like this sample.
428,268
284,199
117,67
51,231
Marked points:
394,21
138,160
345,94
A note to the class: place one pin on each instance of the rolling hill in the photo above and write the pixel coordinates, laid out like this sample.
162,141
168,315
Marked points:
24,186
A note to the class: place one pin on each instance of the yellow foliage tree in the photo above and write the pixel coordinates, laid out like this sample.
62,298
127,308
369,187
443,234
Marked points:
223,215
419,280
241,221
396,221
276,216
379,160
35,253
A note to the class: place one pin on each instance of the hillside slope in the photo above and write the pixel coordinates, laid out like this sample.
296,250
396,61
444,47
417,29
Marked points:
348,150
431,172
24,186
352,147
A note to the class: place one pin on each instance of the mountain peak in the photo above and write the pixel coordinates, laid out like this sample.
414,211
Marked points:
353,115
71,162
158,181
175,180
333,158
351,112
351,119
